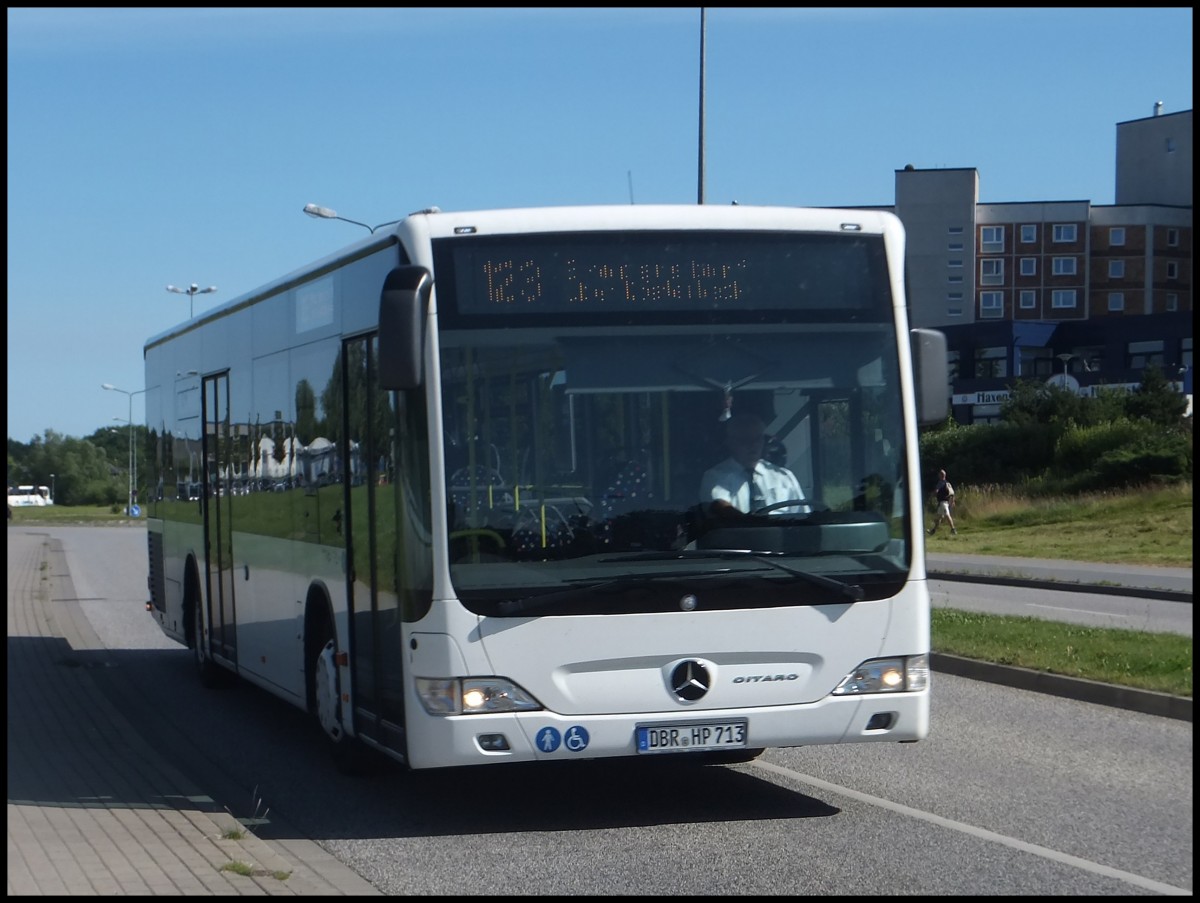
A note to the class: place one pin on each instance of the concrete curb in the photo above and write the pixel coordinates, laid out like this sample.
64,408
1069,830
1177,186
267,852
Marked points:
1067,585
1144,701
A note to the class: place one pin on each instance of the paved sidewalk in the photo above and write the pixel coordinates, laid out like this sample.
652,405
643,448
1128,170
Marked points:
92,808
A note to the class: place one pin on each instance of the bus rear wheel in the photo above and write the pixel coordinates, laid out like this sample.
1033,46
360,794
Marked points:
210,673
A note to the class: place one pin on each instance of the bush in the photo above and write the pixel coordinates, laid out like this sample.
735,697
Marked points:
1119,455
1079,448
1051,441
1155,460
988,453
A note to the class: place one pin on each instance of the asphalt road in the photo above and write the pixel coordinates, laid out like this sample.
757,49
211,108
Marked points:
1014,792
1119,579
1071,606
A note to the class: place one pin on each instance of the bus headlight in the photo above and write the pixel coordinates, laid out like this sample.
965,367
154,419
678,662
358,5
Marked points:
905,674
473,695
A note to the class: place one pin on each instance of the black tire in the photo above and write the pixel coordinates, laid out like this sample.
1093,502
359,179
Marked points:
349,754
211,674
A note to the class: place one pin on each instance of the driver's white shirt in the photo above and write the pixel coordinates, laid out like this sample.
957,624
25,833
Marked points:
729,481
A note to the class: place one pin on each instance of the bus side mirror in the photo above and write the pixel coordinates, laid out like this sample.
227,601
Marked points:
403,304
931,375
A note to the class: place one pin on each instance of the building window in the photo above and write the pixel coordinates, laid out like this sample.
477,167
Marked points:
992,239
1116,235
954,280
1028,235
954,246
1090,357
991,305
1172,301
991,272
1035,362
1145,354
1172,269
1064,232
954,311
1116,301
1028,266
1062,298
955,230
1064,266
991,362
1185,352
954,297
1116,269
954,264
1028,299
1172,238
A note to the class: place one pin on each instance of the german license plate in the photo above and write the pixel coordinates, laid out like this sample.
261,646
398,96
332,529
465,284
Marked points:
676,737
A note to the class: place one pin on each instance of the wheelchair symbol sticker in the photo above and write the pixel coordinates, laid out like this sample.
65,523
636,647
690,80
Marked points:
576,738
548,740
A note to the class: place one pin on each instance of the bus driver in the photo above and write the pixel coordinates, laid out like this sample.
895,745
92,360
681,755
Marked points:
745,481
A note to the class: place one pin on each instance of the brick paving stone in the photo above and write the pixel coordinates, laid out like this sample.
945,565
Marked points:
92,810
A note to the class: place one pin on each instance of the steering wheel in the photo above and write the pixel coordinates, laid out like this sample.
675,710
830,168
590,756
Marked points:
483,532
474,552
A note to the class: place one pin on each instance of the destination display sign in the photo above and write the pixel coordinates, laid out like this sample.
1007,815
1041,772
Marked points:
623,272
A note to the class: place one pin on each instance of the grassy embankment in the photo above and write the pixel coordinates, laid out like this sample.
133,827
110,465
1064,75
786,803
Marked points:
1152,527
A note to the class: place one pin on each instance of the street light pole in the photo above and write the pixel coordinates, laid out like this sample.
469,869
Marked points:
191,291
318,212
1065,358
132,444
700,166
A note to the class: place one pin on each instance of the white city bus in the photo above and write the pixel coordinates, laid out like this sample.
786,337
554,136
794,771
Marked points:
441,489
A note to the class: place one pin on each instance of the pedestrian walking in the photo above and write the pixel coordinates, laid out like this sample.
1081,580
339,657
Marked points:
943,493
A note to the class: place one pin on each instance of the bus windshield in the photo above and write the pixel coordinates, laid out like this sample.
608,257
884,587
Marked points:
582,449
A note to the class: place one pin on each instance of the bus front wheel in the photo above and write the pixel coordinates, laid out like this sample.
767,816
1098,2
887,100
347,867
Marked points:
328,710
349,754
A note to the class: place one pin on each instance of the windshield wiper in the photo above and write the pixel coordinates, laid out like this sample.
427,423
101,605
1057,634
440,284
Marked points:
851,591
575,593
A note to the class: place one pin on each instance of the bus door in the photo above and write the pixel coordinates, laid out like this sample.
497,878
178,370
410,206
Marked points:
367,471
217,498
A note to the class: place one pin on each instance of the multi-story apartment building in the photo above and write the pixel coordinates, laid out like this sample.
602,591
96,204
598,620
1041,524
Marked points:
1067,291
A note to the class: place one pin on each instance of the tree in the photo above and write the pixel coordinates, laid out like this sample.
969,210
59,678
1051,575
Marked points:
1156,400
83,472
1031,401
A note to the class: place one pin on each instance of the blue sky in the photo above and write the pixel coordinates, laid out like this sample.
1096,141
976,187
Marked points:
148,147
